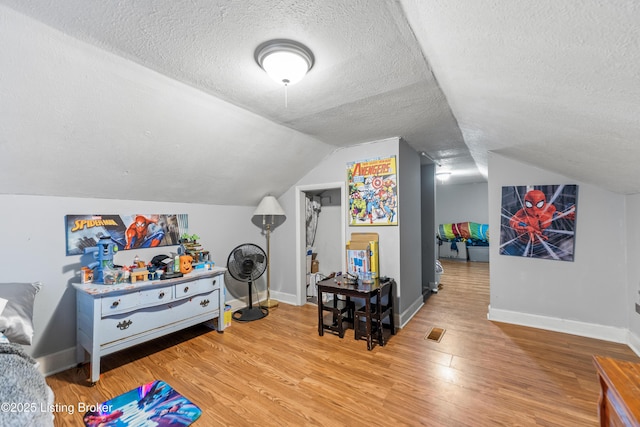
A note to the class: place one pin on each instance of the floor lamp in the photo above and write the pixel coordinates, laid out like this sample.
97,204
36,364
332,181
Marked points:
268,209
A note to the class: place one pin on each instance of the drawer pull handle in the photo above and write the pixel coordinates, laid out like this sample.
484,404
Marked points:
124,324
204,302
115,304
161,295
186,289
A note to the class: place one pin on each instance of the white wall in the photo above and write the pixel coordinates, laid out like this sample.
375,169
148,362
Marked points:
632,231
462,203
329,240
428,226
586,297
409,289
329,171
33,234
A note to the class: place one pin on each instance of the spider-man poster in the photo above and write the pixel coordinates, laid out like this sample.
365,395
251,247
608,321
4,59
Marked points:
132,231
539,221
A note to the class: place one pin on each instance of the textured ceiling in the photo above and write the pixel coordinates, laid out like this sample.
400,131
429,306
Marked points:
553,84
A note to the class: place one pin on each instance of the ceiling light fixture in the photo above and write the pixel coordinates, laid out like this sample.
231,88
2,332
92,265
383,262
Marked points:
443,176
285,61
423,154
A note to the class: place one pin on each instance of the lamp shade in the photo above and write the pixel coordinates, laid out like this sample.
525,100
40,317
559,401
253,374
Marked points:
285,67
269,206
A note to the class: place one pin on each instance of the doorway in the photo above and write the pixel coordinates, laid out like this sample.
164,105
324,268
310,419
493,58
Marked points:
329,241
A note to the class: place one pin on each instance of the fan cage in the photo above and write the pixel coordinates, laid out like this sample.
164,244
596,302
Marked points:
247,262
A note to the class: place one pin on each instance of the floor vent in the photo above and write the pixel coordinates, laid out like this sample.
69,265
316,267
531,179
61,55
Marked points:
435,334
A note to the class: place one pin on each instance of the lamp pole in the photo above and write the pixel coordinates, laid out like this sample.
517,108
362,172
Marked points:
269,207
270,303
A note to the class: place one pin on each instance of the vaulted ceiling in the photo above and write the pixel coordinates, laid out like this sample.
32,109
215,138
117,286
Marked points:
553,84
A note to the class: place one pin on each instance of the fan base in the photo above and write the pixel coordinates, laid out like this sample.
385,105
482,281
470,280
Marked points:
248,314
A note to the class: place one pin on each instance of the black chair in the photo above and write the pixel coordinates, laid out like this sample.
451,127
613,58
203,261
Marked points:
381,309
341,310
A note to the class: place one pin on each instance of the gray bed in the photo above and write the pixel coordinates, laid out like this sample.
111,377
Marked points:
25,397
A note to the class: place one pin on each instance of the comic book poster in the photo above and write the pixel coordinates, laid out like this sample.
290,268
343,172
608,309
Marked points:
132,231
373,192
539,221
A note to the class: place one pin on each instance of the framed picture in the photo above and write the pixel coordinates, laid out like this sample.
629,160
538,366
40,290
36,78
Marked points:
539,221
373,192
129,231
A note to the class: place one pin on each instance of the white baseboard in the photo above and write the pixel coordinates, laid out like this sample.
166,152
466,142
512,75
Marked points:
290,299
242,302
634,343
57,362
404,317
583,329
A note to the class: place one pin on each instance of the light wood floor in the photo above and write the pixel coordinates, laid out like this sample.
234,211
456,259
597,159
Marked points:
277,371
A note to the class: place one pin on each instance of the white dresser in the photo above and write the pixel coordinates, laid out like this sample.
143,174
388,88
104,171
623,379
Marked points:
111,318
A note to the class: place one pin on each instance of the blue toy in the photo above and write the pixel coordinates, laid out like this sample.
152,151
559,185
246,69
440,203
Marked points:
103,253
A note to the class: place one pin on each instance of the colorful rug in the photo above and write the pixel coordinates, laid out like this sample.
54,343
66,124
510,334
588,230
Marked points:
150,405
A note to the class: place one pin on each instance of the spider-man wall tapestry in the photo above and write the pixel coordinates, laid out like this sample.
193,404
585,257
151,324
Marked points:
130,231
539,221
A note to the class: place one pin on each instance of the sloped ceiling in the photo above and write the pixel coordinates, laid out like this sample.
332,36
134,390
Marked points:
553,84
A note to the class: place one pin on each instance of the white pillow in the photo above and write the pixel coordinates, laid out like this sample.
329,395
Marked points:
16,319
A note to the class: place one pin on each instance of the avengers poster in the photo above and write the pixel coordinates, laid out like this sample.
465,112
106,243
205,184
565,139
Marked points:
373,193
539,221
131,231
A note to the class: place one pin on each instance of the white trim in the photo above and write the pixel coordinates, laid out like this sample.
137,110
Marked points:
589,330
409,313
633,342
57,362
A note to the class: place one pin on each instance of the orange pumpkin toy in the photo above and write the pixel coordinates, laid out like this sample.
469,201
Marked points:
185,264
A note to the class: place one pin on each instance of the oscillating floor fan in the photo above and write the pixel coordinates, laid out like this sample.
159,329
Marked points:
247,263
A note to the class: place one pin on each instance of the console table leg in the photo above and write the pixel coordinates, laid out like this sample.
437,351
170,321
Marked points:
320,321
368,311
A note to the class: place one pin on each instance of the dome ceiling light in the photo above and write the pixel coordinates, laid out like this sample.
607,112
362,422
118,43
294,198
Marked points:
285,61
443,176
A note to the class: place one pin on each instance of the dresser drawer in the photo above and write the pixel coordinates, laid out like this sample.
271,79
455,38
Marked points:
135,300
120,303
127,325
184,290
197,305
156,296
